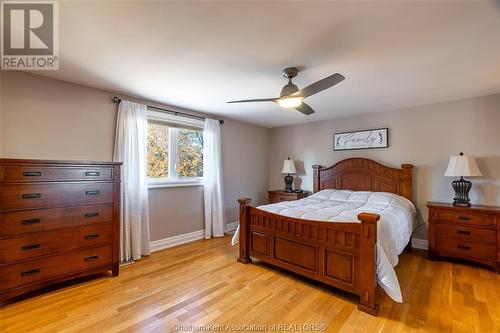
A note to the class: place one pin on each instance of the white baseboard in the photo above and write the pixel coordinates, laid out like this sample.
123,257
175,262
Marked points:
165,243
230,227
422,244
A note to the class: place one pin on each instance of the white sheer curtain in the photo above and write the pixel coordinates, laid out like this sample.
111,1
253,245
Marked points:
212,179
131,149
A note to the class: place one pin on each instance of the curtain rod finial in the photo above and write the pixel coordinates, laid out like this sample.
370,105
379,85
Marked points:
221,121
116,99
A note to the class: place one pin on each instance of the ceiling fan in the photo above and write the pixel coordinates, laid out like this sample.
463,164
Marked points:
292,97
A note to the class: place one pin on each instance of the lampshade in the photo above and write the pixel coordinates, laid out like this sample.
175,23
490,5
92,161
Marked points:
288,166
462,166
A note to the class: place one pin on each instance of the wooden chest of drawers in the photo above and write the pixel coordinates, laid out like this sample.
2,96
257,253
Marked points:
58,220
280,195
469,233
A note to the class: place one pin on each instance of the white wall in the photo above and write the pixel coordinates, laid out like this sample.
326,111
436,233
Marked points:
245,163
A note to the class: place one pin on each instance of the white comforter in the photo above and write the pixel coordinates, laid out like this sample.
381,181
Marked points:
397,222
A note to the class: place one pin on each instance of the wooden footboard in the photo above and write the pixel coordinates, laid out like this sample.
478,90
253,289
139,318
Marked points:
342,255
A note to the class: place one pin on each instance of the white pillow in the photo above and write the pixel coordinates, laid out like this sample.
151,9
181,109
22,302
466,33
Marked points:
359,196
340,195
323,194
381,198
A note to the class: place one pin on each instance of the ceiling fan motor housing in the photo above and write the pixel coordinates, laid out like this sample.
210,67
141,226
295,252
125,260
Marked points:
288,89
290,72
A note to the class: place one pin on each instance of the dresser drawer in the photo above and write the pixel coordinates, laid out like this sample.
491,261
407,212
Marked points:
465,217
40,244
280,198
20,222
276,196
446,231
42,269
46,195
46,173
465,249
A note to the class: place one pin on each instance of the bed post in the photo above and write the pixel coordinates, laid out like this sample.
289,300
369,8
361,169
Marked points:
316,178
406,184
368,263
244,231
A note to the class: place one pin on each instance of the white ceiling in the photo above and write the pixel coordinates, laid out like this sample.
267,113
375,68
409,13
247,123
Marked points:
198,55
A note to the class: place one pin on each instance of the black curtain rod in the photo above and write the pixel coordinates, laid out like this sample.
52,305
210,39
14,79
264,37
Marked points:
175,113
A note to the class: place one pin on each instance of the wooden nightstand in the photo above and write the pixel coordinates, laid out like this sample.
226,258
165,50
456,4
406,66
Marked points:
471,233
280,195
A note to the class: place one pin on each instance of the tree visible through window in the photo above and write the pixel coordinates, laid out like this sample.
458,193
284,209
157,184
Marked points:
173,152
190,153
157,151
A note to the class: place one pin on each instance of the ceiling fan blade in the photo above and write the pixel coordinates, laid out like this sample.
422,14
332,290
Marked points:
320,85
305,109
255,100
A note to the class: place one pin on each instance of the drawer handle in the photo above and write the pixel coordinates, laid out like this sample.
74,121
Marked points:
32,173
463,247
31,221
31,272
92,173
94,214
464,218
92,193
30,247
91,258
463,232
91,236
32,196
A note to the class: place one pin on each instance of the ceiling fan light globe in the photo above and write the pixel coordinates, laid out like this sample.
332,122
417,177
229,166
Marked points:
290,102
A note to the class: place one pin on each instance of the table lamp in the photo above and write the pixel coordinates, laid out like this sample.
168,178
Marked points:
462,166
288,168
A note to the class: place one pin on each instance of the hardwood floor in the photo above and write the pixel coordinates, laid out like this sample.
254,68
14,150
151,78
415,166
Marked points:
201,282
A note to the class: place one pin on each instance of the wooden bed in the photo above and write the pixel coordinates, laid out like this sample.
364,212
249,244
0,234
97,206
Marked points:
342,255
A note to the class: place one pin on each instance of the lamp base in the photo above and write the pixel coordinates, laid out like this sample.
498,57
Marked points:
462,188
288,183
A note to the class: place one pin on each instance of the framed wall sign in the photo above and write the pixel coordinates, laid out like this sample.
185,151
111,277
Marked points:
368,139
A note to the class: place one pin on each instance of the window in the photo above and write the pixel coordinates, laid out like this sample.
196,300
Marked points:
175,150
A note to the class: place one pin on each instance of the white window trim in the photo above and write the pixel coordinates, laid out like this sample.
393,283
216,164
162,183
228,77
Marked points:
172,151
159,183
173,180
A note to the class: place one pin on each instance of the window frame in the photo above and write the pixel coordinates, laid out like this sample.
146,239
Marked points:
170,119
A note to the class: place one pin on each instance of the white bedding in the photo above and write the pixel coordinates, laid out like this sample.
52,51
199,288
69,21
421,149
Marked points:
397,222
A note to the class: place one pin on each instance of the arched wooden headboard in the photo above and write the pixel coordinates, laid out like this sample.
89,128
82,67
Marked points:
362,174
